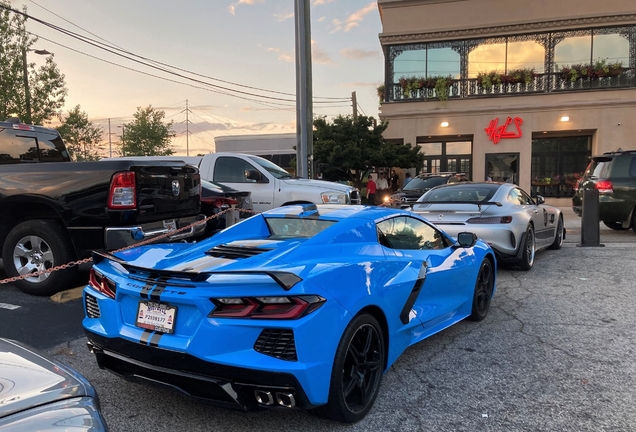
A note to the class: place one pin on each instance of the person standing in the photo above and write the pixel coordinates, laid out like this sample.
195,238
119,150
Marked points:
407,178
371,191
382,188
395,181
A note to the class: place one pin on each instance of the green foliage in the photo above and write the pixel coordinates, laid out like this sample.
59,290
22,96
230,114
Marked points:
600,68
147,135
411,86
83,140
46,84
354,148
380,91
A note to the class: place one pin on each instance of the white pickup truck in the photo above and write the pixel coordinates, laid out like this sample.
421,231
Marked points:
271,186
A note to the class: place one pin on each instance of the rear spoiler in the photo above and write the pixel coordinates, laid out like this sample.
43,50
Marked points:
479,204
286,280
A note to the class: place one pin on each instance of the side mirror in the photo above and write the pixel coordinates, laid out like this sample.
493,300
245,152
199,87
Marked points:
466,239
253,175
540,199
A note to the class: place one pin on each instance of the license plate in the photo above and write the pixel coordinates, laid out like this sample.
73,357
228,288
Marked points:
156,316
170,224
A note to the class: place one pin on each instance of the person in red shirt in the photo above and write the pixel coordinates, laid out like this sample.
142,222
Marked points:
371,191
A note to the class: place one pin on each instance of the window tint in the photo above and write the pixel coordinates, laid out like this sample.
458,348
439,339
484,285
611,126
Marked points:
405,232
16,149
231,169
52,148
461,193
425,183
526,198
519,197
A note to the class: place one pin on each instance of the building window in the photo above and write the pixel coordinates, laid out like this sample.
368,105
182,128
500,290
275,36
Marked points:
502,167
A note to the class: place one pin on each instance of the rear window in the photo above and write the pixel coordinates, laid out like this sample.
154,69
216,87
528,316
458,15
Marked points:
632,167
598,168
425,183
477,193
297,227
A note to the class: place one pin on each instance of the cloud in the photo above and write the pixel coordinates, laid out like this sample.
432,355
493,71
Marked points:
283,17
232,8
321,19
356,18
337,25
359,54
318,55
322,2
359,84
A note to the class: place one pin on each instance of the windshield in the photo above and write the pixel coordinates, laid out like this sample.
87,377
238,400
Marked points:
419,183
297,227
271,167
477,193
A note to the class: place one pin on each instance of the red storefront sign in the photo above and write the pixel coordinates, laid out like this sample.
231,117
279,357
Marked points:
497,133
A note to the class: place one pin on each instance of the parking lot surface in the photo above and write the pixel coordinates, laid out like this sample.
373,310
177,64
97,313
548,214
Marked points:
555,353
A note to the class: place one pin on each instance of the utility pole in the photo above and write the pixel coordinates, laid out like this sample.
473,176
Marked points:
187,110
354,102
27,92
110,142
304,97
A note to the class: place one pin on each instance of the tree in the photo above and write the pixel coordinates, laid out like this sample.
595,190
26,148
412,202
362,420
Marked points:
147,135
353,148
83,140
46,86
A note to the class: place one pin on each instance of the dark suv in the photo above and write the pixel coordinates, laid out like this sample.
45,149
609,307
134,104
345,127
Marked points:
614,175
410,193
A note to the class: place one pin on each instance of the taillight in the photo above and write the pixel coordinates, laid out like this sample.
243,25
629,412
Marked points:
490,220
265,307
122,193
604,186
220,203
102,284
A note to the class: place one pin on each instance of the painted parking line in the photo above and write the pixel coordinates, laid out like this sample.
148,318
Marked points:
9,306
68,295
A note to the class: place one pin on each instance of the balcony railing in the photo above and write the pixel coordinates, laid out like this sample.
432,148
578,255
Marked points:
542,83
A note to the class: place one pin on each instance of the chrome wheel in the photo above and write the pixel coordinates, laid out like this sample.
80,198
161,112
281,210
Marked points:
362,369
32,254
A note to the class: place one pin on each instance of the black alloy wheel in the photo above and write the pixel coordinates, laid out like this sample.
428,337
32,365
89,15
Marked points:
357,371
483,291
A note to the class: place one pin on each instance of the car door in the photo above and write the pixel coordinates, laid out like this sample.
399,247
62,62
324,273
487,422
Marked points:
444,274
543,220
234,172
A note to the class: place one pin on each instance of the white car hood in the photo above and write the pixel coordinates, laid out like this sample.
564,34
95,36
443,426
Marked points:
321,184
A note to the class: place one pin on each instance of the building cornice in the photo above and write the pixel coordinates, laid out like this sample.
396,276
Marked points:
508,30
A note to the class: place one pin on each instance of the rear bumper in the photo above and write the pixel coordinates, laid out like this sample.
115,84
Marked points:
224,385
119,237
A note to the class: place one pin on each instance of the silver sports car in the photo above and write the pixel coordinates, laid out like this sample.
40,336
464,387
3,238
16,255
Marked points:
514,224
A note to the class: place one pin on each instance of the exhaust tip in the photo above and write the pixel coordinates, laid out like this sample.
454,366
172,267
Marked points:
264,397
286,400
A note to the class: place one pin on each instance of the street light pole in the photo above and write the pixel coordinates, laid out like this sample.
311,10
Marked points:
25,73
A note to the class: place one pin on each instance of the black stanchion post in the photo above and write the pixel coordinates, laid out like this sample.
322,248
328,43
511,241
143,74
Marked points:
590,230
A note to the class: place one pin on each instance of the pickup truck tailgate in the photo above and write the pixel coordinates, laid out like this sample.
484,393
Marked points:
166,190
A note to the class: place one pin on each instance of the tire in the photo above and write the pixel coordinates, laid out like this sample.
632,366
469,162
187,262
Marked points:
527,258
617,226
634,220
38,245
558,239
357,371
483,291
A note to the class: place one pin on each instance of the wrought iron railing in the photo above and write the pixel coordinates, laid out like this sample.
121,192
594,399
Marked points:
541,83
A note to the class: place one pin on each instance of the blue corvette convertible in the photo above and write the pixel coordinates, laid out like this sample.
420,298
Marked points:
302,306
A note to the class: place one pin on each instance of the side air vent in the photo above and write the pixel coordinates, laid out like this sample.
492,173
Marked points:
92,307
277,343
233,252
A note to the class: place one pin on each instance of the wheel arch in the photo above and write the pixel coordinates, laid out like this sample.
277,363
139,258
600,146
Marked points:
14,212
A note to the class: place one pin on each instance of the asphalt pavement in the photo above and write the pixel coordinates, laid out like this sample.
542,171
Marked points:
555,353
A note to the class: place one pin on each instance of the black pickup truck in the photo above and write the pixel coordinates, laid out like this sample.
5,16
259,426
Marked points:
59,211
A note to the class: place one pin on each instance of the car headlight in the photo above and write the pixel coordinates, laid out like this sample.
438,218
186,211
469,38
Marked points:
80,413
334,197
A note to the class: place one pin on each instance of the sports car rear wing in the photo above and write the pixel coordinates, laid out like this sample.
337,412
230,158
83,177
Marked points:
479,204
286,280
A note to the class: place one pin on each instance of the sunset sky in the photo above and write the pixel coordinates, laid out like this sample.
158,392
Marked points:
239,46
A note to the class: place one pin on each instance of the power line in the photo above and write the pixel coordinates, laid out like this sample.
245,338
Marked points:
111,45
